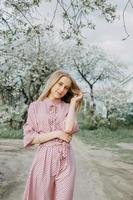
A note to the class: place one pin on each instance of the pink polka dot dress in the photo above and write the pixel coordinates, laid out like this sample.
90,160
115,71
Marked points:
52,173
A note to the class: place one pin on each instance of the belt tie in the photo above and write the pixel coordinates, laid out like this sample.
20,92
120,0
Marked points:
63,150
63,153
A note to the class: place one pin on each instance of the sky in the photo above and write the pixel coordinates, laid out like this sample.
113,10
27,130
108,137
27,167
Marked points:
109,36
106,35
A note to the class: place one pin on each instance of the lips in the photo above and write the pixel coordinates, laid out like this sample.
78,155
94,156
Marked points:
58,93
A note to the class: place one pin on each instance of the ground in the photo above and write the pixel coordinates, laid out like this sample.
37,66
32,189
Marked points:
101,173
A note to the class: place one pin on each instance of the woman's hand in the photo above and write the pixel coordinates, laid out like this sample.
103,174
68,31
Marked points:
64,136
77,97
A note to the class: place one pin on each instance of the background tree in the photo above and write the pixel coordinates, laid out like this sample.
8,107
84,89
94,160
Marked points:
95,69
114,99
76,15
25,63
25,67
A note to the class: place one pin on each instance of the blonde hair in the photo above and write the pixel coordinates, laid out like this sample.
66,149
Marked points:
53,79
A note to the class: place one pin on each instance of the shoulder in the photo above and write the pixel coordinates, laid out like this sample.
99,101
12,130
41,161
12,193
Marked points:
34,104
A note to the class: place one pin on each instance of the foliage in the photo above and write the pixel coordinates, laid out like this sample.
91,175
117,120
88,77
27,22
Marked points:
25,67
95,66
97,71
76,15
128,115
114,99
113,122
8,132
91,122
23,73
12,116
29,52
105,137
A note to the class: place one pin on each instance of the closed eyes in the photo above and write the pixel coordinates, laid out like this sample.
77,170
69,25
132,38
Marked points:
61,84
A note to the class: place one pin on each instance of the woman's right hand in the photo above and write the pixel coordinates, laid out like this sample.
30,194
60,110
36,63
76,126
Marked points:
64,136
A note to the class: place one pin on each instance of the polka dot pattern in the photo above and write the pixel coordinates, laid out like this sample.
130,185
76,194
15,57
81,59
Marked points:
52,174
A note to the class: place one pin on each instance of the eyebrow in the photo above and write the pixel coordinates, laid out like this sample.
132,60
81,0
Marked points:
65,85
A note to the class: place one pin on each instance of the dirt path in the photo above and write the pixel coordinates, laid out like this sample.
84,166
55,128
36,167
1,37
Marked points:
100,173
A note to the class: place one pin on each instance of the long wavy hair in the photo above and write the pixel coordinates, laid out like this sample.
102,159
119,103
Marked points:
53,79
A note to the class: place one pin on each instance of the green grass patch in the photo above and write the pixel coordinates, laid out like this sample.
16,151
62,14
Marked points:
126,155
103,137
11,133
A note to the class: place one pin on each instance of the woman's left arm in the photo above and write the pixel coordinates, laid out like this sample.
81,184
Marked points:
71,118
71,124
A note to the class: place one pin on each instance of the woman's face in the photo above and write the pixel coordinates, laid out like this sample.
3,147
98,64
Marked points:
60,88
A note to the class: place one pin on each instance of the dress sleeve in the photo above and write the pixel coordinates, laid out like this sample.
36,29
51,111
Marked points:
29,128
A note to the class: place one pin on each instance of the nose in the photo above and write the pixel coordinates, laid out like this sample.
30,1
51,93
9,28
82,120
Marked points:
61,89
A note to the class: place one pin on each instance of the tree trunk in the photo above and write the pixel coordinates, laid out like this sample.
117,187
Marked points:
92,102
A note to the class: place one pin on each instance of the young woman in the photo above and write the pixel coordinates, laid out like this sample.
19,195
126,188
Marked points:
50,123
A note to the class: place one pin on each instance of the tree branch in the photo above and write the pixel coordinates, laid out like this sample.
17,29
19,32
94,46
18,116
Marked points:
82,75
54,14
124,24
22,14
3,19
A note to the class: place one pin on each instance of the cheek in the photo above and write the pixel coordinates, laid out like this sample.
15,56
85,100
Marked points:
53,89
65,91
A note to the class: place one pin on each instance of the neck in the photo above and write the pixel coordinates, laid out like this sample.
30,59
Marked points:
54,100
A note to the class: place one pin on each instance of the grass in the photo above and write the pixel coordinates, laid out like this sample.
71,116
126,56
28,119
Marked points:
105,137
101,137
126,155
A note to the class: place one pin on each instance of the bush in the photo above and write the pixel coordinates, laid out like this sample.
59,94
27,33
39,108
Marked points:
12,117
88,121
7,132
103,123
94,121
113,125
129,119
121,122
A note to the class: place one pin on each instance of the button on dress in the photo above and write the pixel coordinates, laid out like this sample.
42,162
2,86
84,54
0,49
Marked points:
52,173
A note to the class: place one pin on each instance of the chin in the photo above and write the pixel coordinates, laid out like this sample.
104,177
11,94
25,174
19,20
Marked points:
57,96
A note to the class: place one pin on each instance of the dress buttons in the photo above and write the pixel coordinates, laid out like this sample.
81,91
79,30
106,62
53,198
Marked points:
52,109
52,117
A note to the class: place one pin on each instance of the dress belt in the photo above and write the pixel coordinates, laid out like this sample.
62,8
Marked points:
64,146
63,152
